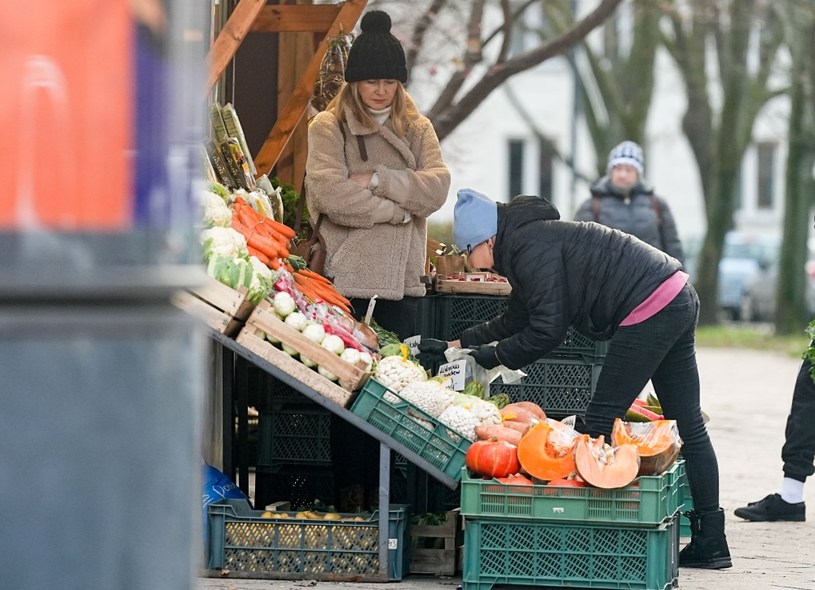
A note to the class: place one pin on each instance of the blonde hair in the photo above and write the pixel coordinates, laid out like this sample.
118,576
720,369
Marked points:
349,97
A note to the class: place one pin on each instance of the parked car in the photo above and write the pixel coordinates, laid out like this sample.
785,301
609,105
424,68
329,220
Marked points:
743,257
759,299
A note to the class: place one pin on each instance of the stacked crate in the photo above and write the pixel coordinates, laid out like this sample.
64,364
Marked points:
294,461
572,537
561,383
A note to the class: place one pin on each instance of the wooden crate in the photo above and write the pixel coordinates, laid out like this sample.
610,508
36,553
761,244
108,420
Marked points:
350,377
475,284
293,367
221,307
439,562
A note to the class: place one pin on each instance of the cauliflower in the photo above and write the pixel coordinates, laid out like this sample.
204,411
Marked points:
231,271
216,212
262,281
428,396
461,420
394,372
223,241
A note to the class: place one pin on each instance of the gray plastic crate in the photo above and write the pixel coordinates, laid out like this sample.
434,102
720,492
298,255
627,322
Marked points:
562,387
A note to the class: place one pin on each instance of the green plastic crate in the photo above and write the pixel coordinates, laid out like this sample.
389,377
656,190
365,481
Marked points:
251,546
545,554
412,427
687,504
648,501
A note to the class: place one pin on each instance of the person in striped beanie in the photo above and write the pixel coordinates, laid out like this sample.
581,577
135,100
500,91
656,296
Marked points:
624,200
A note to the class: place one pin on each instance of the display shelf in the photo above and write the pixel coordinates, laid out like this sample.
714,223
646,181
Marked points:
285,372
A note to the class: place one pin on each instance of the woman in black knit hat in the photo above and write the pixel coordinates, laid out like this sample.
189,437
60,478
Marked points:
375,173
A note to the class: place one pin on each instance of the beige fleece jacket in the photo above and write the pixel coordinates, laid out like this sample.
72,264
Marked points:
367,258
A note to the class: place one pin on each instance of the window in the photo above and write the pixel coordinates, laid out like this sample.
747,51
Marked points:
765,177
545,157
516,167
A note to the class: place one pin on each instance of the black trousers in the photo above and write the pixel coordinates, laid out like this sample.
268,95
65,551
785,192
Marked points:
662,349
355,454
798,452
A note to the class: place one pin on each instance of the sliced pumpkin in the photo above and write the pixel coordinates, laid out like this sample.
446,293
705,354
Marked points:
546,451
603,466
658,443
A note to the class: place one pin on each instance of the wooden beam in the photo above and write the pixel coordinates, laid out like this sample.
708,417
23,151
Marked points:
316,18
230,38
297,104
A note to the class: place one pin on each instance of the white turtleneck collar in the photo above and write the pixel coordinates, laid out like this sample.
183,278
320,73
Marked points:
380,116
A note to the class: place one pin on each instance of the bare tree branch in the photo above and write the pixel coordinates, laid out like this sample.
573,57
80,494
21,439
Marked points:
419,31
447,119
507,29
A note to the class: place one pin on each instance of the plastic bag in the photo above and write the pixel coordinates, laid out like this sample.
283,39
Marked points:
475,372
217,486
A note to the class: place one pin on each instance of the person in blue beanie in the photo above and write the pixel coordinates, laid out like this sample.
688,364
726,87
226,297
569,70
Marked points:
608,285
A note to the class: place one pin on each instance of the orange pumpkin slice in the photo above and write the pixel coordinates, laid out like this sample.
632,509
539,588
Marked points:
658,443
546,451
605,467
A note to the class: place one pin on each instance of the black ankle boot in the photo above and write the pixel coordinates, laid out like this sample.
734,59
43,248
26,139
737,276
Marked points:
708,545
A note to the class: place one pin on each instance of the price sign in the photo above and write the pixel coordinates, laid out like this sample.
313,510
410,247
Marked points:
413,343
455,371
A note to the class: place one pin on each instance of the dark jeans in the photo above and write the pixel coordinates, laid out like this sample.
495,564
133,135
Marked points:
798,451
355,454
662,349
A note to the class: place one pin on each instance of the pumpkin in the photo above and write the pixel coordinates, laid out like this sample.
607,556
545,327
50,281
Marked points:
515,480
492,458
603,466
546,450
567,482
658,443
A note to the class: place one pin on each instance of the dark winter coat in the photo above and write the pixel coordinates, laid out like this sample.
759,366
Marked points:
642,214
564,273
363,257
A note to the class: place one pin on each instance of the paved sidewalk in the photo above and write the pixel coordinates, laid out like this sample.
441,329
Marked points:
747,395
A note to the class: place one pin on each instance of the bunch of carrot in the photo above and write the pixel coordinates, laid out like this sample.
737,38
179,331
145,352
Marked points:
318,288
266,238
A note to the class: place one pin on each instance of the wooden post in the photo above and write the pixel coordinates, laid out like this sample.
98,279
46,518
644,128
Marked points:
296,106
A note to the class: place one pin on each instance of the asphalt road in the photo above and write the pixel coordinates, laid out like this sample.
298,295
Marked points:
747,395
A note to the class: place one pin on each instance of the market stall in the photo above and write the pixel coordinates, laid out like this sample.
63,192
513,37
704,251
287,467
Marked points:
506,444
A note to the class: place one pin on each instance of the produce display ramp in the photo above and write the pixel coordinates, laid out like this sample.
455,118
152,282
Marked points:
219,306
330,396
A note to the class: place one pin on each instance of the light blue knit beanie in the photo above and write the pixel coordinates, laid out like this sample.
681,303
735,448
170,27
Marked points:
475,219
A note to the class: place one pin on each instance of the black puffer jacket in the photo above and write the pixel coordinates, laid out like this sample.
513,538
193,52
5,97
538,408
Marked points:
641,214
564,273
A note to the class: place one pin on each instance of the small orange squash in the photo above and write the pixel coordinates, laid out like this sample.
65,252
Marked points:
605,467
658,443
546,451
492,458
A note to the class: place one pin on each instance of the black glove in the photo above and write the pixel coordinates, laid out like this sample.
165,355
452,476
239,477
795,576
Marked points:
431,353
485,356
432,346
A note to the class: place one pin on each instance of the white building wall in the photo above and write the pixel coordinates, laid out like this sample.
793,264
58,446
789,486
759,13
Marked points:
477,151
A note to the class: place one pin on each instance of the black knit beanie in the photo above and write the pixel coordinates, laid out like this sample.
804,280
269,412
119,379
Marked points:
375,53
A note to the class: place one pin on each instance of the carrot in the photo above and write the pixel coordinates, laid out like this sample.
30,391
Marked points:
246,211
275,263
259,255
306,272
